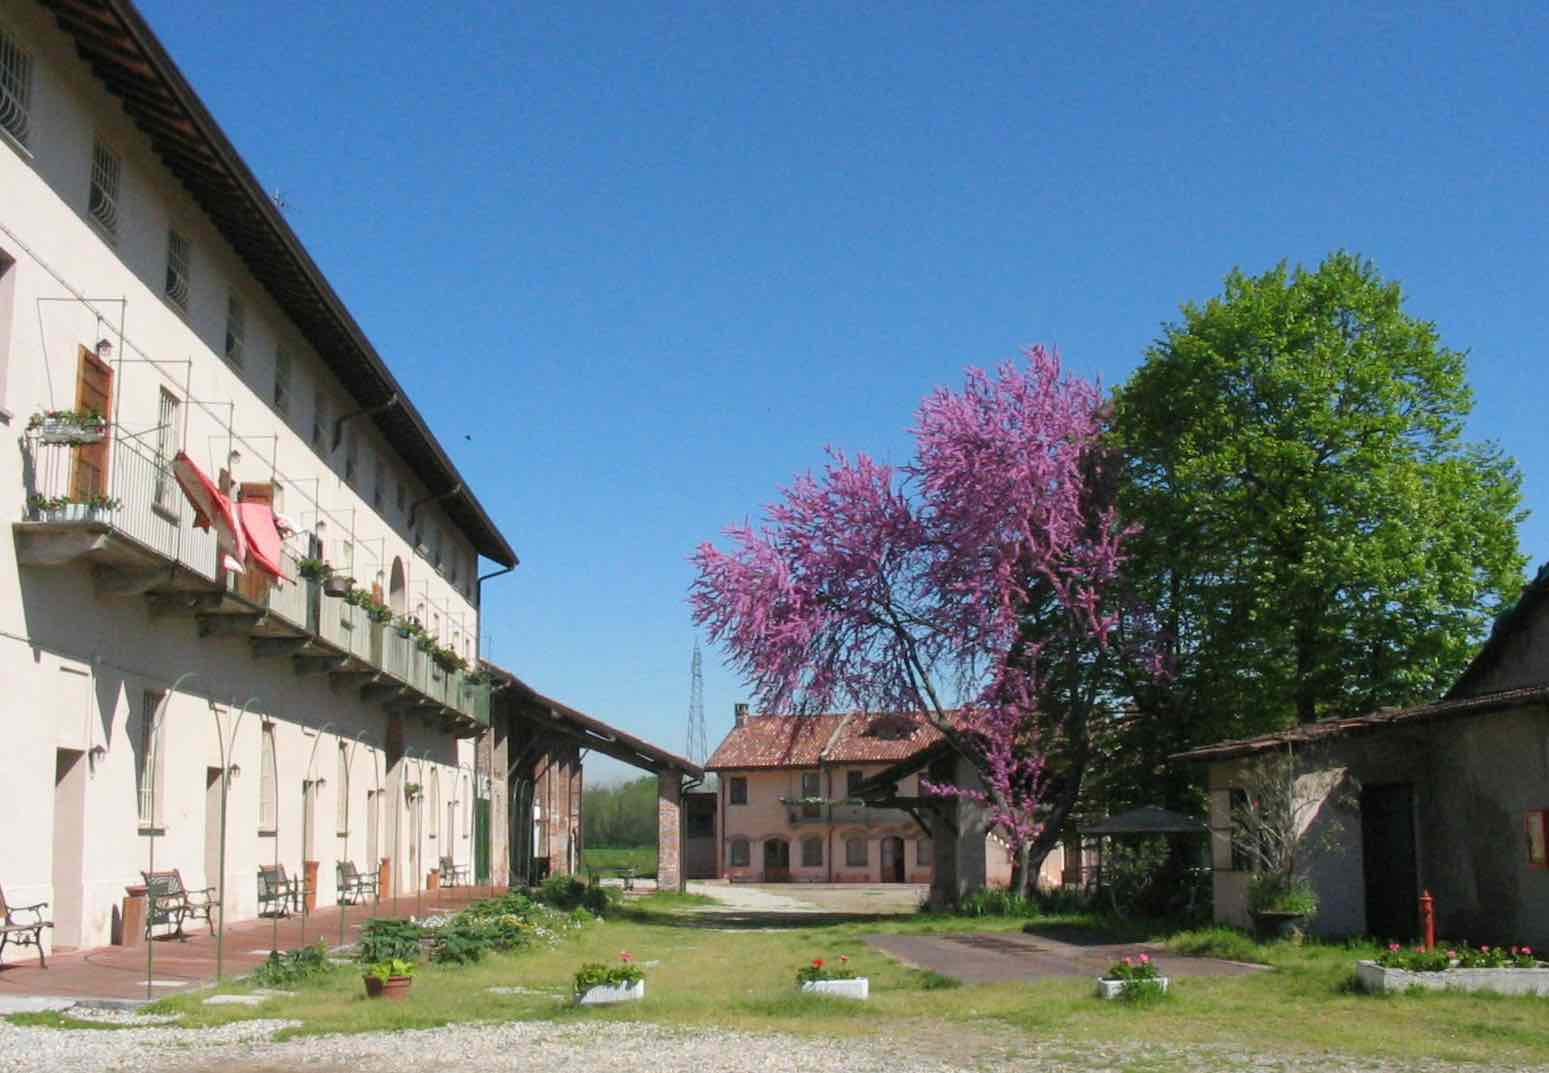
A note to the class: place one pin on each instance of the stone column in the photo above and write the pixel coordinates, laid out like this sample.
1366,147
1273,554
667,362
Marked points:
669,830
958,832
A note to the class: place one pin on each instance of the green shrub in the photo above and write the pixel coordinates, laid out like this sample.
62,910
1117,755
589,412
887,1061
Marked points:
1273,892
1217,942
382,940
995,902
596,974
568,892
294,966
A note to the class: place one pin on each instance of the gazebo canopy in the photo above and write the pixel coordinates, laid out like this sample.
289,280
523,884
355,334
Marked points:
1147,820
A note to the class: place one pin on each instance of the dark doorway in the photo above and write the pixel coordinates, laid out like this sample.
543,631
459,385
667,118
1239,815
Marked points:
1388,861
777,860
892,860
520,827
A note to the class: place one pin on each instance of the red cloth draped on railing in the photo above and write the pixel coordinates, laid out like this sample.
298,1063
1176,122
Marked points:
264,546
212,510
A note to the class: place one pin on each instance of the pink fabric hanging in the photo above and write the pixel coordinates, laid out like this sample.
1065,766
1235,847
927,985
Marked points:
212,510
264,546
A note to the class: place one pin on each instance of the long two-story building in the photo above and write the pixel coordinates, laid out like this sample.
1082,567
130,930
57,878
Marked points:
221,427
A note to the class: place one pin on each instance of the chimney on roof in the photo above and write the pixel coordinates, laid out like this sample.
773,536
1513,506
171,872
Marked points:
739,714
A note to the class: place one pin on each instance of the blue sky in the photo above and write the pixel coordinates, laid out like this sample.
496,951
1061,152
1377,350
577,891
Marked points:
653,258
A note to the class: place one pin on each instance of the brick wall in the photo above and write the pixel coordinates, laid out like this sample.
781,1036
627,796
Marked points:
669,831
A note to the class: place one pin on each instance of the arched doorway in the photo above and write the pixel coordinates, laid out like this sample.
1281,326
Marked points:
396,586
777,860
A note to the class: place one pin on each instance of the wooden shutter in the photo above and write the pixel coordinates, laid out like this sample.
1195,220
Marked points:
93,392
253,583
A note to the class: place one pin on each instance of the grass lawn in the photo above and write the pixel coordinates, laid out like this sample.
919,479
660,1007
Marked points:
641,858
744,979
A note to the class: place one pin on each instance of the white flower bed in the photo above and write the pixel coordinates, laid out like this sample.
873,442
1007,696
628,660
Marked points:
1375,978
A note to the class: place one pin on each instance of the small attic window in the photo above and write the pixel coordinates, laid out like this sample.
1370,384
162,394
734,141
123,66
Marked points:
892,728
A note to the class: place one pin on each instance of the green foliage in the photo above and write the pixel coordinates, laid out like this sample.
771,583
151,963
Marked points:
568,892
935,981
1317,538
382,939
390,967
596,974
314,569
1220,941
617,860
1272,892
821,969
620,814
1133,968
996,902
1418,959
294,966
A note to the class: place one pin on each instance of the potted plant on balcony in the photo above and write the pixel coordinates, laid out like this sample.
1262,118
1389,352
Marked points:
338,585
407,626
411,790
448,660
378,612
389,979
314,570
74,427
94,508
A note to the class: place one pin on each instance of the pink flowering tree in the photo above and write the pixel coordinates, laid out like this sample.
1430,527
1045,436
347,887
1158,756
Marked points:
942,587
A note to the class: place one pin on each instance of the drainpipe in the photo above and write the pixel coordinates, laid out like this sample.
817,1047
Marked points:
370,411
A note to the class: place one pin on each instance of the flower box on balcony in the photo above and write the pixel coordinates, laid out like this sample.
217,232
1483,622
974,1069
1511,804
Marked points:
56,511
64,426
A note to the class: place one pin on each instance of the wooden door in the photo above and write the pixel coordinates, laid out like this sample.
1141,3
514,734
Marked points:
93,394
1388,862
892,860
777,860
254,583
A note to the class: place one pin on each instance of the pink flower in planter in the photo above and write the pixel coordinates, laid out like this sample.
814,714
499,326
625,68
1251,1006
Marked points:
1393,948
817,963
1145,959
844,959
1528,951
625,956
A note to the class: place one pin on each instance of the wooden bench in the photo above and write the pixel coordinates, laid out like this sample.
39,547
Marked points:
354,884
453,874
280,893
23,932
169,902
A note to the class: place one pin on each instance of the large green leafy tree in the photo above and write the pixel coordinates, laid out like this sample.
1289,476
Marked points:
1316,538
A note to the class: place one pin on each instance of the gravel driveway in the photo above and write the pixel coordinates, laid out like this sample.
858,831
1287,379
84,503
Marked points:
540,1047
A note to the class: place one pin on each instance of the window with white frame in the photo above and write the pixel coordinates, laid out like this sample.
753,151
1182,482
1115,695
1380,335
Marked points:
149,767
319,419
166,449
268,783
102,202
855,852
236,329
342,790
180,255
282,381
15,87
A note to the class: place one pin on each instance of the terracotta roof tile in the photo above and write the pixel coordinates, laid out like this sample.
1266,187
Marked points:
773,741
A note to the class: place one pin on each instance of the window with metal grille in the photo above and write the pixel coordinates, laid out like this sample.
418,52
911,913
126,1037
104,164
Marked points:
268,784
737,792
855,852
811,852
180,254
15,87
342,791
147,772
811,786
379,484
351,458
319,418
435,804
739,853
103,199
282,381
166,449
373,822
236,329
852,782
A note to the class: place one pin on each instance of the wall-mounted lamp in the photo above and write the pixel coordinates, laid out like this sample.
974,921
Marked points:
97,754
104,349
234,772
233,460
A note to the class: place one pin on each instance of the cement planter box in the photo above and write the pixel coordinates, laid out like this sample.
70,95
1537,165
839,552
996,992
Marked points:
859,988
59,430
76,512
1376,979
1112,989
609,994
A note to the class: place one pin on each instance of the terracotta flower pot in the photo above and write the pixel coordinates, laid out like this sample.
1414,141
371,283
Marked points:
397,987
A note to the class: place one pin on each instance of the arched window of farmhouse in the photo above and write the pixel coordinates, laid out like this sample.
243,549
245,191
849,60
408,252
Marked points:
342,790
268,784
435,803
739,853
811,852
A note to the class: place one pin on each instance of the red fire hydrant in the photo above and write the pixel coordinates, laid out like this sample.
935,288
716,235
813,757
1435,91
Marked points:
1428,919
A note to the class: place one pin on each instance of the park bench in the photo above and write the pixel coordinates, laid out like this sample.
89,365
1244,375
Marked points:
281,894
627,873
453,874
169,902
23,932
354,884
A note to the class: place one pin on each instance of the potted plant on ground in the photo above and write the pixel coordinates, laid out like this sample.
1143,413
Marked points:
74,427
1132,978
597,984
390,978
825,978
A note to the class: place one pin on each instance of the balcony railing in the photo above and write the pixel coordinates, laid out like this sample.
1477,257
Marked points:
152,524
842,811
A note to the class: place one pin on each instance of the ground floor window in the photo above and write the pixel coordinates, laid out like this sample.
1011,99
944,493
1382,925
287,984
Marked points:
739,853
855,852
811,852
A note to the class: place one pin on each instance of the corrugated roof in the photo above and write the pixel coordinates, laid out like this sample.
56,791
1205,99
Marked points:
116,41
775,741
1366,724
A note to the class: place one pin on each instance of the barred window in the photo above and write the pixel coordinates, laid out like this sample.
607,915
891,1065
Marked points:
268,784
180,254
236,329
342,790
147,772
738,790
15,87
855,852
103,200
166,449
811,852
351,458
739,853
379,484
282,381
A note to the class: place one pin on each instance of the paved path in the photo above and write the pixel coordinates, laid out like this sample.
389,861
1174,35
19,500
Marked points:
117,973
1001,956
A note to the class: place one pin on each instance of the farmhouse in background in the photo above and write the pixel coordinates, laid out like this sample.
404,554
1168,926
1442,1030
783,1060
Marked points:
1450,797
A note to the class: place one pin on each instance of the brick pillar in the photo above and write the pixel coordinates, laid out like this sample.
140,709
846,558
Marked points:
669,831
958,831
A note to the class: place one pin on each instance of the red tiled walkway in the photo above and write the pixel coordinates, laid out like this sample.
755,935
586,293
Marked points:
118,972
